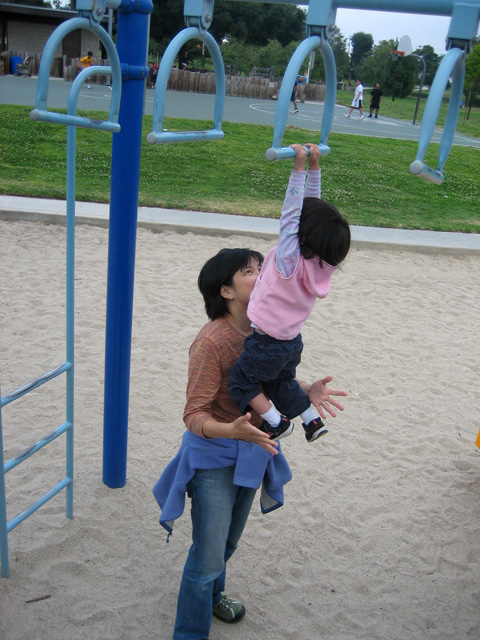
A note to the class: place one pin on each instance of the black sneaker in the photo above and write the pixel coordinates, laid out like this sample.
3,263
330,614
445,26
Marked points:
314,429
283,430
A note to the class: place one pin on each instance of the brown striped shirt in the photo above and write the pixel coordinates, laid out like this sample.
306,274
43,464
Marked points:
212,355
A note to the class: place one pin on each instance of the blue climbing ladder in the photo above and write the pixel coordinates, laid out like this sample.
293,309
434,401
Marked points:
72,121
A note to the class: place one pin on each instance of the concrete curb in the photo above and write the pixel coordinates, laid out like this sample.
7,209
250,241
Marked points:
158,219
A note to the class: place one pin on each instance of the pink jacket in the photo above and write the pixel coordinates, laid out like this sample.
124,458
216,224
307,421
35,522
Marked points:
279,306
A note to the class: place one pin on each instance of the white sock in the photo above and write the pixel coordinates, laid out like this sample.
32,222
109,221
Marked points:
272,417
308,415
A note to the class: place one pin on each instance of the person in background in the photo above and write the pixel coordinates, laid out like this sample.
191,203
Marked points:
293,98
377,95
357,101
85,63
152,75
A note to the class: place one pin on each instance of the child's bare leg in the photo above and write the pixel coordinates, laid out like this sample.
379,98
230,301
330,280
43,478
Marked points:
261,404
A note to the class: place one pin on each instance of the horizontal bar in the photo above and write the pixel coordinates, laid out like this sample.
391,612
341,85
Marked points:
10,464
286,153
420,169
74,121
164,137
428,7
21,391
14,522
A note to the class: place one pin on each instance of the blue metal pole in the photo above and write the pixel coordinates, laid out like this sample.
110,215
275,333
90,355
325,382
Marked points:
132,39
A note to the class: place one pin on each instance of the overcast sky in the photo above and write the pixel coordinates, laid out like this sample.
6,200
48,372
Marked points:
383,25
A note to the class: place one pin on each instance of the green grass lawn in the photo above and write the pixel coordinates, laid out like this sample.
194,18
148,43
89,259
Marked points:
366,178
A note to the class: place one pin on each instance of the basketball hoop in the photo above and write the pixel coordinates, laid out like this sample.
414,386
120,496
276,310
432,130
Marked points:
404,48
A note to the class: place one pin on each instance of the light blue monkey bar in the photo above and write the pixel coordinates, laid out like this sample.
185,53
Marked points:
321,15
157,135
198,16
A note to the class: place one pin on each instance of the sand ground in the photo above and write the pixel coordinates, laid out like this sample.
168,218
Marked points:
379,538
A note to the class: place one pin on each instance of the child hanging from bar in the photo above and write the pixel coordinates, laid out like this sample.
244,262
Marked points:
314,240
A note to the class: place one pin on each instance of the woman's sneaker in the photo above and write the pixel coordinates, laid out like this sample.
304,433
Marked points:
229,610
314,429
283,430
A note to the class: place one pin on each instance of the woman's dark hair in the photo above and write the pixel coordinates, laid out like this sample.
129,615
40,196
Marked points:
323,232
218,272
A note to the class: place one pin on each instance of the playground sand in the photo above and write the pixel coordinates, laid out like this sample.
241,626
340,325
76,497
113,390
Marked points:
379,535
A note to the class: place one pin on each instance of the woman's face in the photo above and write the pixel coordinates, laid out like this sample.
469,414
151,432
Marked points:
244,281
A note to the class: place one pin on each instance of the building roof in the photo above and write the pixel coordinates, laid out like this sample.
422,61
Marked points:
41,14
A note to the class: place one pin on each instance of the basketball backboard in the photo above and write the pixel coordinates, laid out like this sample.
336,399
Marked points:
405,45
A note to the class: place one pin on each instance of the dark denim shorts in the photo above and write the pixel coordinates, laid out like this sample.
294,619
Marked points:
270,364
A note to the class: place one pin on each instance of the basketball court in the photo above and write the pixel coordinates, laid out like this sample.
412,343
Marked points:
16,90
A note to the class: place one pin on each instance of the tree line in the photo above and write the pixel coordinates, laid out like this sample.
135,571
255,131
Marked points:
266,36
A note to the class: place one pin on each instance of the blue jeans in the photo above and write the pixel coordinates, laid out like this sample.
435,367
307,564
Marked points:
219,512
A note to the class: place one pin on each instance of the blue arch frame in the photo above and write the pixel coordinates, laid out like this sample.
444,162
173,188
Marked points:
158,136
40,112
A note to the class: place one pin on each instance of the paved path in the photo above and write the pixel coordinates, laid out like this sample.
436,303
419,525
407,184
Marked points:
157,219
16,90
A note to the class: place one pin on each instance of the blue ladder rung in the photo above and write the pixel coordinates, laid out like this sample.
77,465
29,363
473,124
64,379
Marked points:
36,505
10,464
18,393
285,153
164,137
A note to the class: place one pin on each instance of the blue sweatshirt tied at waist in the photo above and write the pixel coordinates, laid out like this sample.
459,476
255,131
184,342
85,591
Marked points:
254,467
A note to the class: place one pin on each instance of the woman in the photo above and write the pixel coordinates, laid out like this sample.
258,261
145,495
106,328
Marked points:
224,458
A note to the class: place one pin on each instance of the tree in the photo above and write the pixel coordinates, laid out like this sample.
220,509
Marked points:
258,23
362,44
432,62
472,78
247,56
242,21
375,67
402,74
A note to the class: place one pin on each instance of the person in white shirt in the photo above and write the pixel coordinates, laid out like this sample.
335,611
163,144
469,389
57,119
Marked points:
357,101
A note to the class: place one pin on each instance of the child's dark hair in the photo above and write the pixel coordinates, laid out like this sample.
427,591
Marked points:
218,272
323,232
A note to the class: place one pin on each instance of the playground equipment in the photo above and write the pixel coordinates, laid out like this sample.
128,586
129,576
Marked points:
73,121
157,135
318,32
198,18
129,71
465,16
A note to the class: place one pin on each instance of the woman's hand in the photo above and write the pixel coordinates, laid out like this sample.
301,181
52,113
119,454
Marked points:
321,397
241,429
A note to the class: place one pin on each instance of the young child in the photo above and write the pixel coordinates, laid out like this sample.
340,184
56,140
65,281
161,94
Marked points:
314,239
